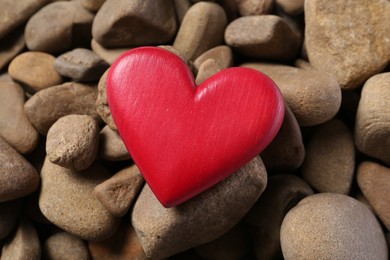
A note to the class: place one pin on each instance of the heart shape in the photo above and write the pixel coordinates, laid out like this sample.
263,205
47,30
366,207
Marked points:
184,138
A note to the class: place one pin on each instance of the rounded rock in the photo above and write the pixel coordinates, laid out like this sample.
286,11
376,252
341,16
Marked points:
254,7
35,70
206,70
92,5
102,107
63,245
111,145
109,55
222,55
292,7
332,226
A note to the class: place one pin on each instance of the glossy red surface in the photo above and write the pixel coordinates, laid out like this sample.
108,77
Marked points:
185,138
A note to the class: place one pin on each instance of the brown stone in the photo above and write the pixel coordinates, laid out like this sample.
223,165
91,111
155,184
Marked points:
292,7
48,105
348,39
142,22
67,200
11,45
281,194
18,178
9,215
206,70
254,7
73,142
314,97
102,107
263,36
109,55
311,230
111,146
372,128
181,7
286,152
222,55
118,192
167,231
330,158
23,244
92,5
15,127
202,29
63,245
374,182
35,70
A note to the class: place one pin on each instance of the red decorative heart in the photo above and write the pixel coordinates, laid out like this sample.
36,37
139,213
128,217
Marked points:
184,138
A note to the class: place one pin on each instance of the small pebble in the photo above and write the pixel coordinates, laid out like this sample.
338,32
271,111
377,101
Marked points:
222,55
282,193
109,55
374,182
292,7
330,158
286,152
9,215
92,5
80,65
348,38
167,231
332,226
11,45
314,97
139,22
62,246
202,29
67,200
23,244
128,247
102,107
111,146
263,36
254,7
372,127
18,177
46,106
35,70
73,142
206,70
13,14
15,127
119,192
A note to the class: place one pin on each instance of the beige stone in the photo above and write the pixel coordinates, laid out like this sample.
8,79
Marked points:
348,38
207,69
254,7
372,127
222,55
292,7
331,226
101,103
111,146
313,96
166,231
62,246
15,127
109,55
92,5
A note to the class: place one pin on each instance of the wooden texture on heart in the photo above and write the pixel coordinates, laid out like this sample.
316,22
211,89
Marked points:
185,138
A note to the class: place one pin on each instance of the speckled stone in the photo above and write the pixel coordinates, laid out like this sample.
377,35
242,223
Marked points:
254,7
310,230
101,102
63,245
167,231
111,146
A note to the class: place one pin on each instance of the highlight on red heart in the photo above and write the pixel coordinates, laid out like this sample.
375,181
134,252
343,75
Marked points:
186,138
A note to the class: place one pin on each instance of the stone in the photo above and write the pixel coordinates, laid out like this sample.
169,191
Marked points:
9,215
11,45
46,106
351,49
264,37
283,192
61,187
15,127
128,248
63,245
330,158
80,65
109,55
314,97
18,178
292,7
111,146
233,245
13,14
286,152
143,22
35,70
52,29
201,29
73,142
92,5
23,244
311,230
118,192
167,231
206,70
374,181
102,107
254,7
221,54
181,7
372,127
